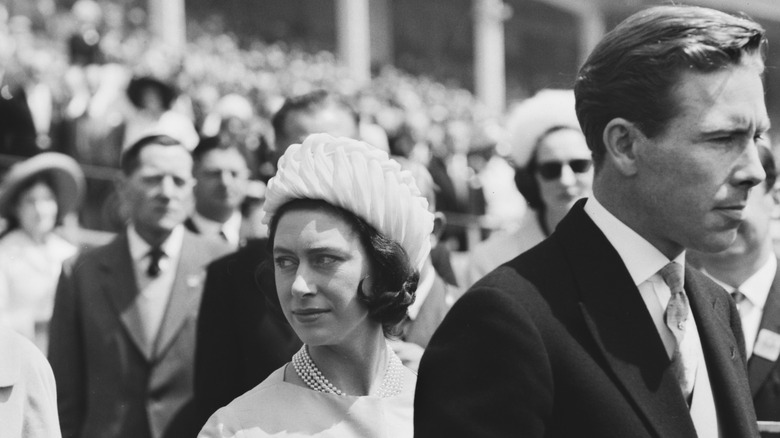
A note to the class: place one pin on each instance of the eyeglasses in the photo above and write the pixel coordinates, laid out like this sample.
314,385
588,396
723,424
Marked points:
550,170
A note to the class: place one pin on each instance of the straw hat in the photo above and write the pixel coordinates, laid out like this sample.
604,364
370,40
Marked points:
66,174
536,115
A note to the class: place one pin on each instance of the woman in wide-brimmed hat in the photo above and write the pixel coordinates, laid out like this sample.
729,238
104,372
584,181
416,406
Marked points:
35,195
154,102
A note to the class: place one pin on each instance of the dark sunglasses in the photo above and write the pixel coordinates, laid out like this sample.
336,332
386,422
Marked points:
550,170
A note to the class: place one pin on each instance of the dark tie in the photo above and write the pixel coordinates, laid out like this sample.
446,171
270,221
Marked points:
155,254
676,315
739,298
223,235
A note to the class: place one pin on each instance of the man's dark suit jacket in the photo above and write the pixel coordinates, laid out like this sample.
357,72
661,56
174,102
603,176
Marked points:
17,130
111,382
241,339
764,374
559,343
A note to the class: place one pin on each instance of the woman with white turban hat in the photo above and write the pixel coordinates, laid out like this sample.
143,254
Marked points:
349,231
553,169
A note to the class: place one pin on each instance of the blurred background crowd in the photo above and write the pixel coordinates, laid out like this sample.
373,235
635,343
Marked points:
89,79
476,101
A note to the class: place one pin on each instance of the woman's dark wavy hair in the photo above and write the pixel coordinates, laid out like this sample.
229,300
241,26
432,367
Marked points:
393,278
632,72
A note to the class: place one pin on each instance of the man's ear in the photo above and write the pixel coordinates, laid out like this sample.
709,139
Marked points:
774,191
621,138
121,187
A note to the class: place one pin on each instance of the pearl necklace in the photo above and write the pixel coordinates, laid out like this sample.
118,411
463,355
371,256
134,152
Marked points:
307,370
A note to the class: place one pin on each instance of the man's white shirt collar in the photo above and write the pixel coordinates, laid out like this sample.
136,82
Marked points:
756,288
231,228
641,258
139,248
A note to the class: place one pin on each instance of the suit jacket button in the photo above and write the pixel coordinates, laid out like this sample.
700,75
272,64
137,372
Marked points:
733,353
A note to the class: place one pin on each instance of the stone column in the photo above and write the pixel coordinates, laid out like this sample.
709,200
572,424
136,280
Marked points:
489,65
167,22
353,38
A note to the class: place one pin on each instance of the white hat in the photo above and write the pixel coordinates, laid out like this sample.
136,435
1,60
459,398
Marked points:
359,178
535,116
66,173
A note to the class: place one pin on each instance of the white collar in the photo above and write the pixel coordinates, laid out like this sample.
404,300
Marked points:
231,227
139,248
641,258
756,287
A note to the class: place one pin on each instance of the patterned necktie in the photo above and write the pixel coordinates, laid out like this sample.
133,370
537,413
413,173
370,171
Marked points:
155,254
676,315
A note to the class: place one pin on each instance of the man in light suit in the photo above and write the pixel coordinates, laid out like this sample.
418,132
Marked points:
124,322
601,330
748,271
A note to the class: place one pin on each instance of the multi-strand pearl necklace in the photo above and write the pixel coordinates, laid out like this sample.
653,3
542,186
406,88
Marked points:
307,370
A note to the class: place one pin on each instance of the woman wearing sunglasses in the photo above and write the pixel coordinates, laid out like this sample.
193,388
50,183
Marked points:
349,231
553,170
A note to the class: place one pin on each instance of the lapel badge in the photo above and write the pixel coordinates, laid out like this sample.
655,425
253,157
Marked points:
194,280
767,345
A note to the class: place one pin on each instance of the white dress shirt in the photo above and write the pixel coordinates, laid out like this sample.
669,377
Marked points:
230,228
643,262
154,293
751,309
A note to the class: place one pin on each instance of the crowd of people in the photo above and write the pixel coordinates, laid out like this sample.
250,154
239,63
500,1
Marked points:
120,83
282,258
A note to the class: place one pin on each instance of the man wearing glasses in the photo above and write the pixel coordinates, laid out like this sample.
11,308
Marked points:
123,329
601,330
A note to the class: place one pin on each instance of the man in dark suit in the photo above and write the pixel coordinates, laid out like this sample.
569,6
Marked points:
222,179
241,338
122,335
748,271
17,129
601,331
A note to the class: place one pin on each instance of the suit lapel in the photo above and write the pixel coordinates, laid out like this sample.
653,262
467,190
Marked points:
721,349
119,283
758,367
185,294
621,326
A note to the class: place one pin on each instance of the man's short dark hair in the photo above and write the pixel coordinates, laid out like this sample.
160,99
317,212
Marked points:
208,144
307,103
130,156
632,72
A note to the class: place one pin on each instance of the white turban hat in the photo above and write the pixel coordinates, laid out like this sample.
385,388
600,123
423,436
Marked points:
536,115
359,178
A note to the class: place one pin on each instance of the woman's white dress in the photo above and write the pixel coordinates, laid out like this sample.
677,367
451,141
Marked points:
28,279
276,408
